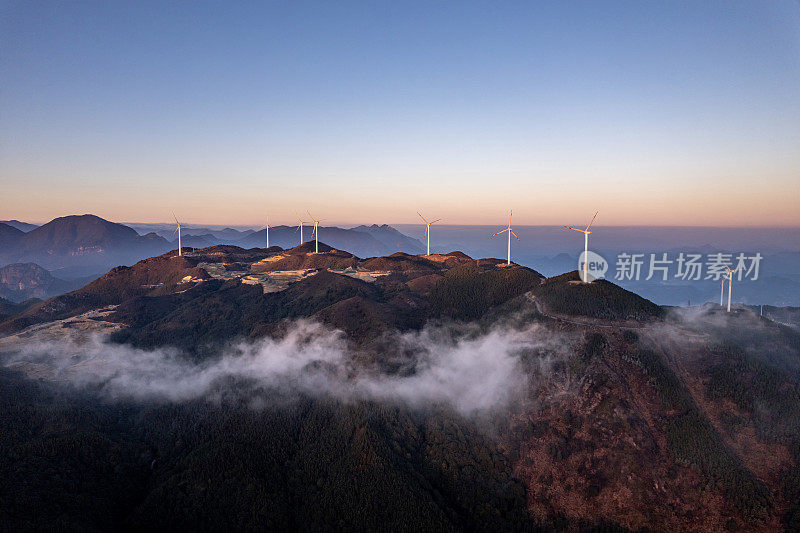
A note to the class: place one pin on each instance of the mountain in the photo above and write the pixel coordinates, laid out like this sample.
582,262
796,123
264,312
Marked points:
9,308
9,236
392,239
22,226
262,288
22,281
287,389
81,241
566,295
357,242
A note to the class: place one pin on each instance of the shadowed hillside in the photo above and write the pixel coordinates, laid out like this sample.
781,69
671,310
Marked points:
567,295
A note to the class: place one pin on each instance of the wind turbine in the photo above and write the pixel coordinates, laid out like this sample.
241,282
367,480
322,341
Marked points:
586,233
510,233
267,231
721,291
178,231
730,285
300,227
428,230
315,232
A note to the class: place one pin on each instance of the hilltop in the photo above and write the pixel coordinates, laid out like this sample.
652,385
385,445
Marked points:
178,300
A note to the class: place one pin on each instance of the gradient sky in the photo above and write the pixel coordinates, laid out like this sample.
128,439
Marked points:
655,113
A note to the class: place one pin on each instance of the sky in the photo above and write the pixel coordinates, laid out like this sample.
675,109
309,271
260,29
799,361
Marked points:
654,113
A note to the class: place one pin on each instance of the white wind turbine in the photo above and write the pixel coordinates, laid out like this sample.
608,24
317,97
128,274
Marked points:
721,291
586,233
428,230
510,233
266,228
300,227
315,232
178,231
730,285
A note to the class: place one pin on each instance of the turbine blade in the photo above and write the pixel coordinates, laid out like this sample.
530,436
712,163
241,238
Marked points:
514,234
576,229
501,231
592,222
422,217
435,221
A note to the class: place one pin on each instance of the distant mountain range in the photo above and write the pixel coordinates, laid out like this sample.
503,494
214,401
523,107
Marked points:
392,239
363,241
22,226
359,243
224,235
78,245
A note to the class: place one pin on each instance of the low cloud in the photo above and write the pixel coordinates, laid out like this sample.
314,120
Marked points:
471,372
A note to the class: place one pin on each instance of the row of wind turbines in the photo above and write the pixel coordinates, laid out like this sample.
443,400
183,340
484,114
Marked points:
508,229
301,224
314,232
428,224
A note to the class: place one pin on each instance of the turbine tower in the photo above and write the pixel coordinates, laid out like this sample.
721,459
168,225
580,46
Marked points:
510,233
178,231
428,230
300,227
730,285
586,233
721,291
266,228
315,232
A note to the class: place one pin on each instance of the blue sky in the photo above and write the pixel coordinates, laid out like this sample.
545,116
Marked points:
670,113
